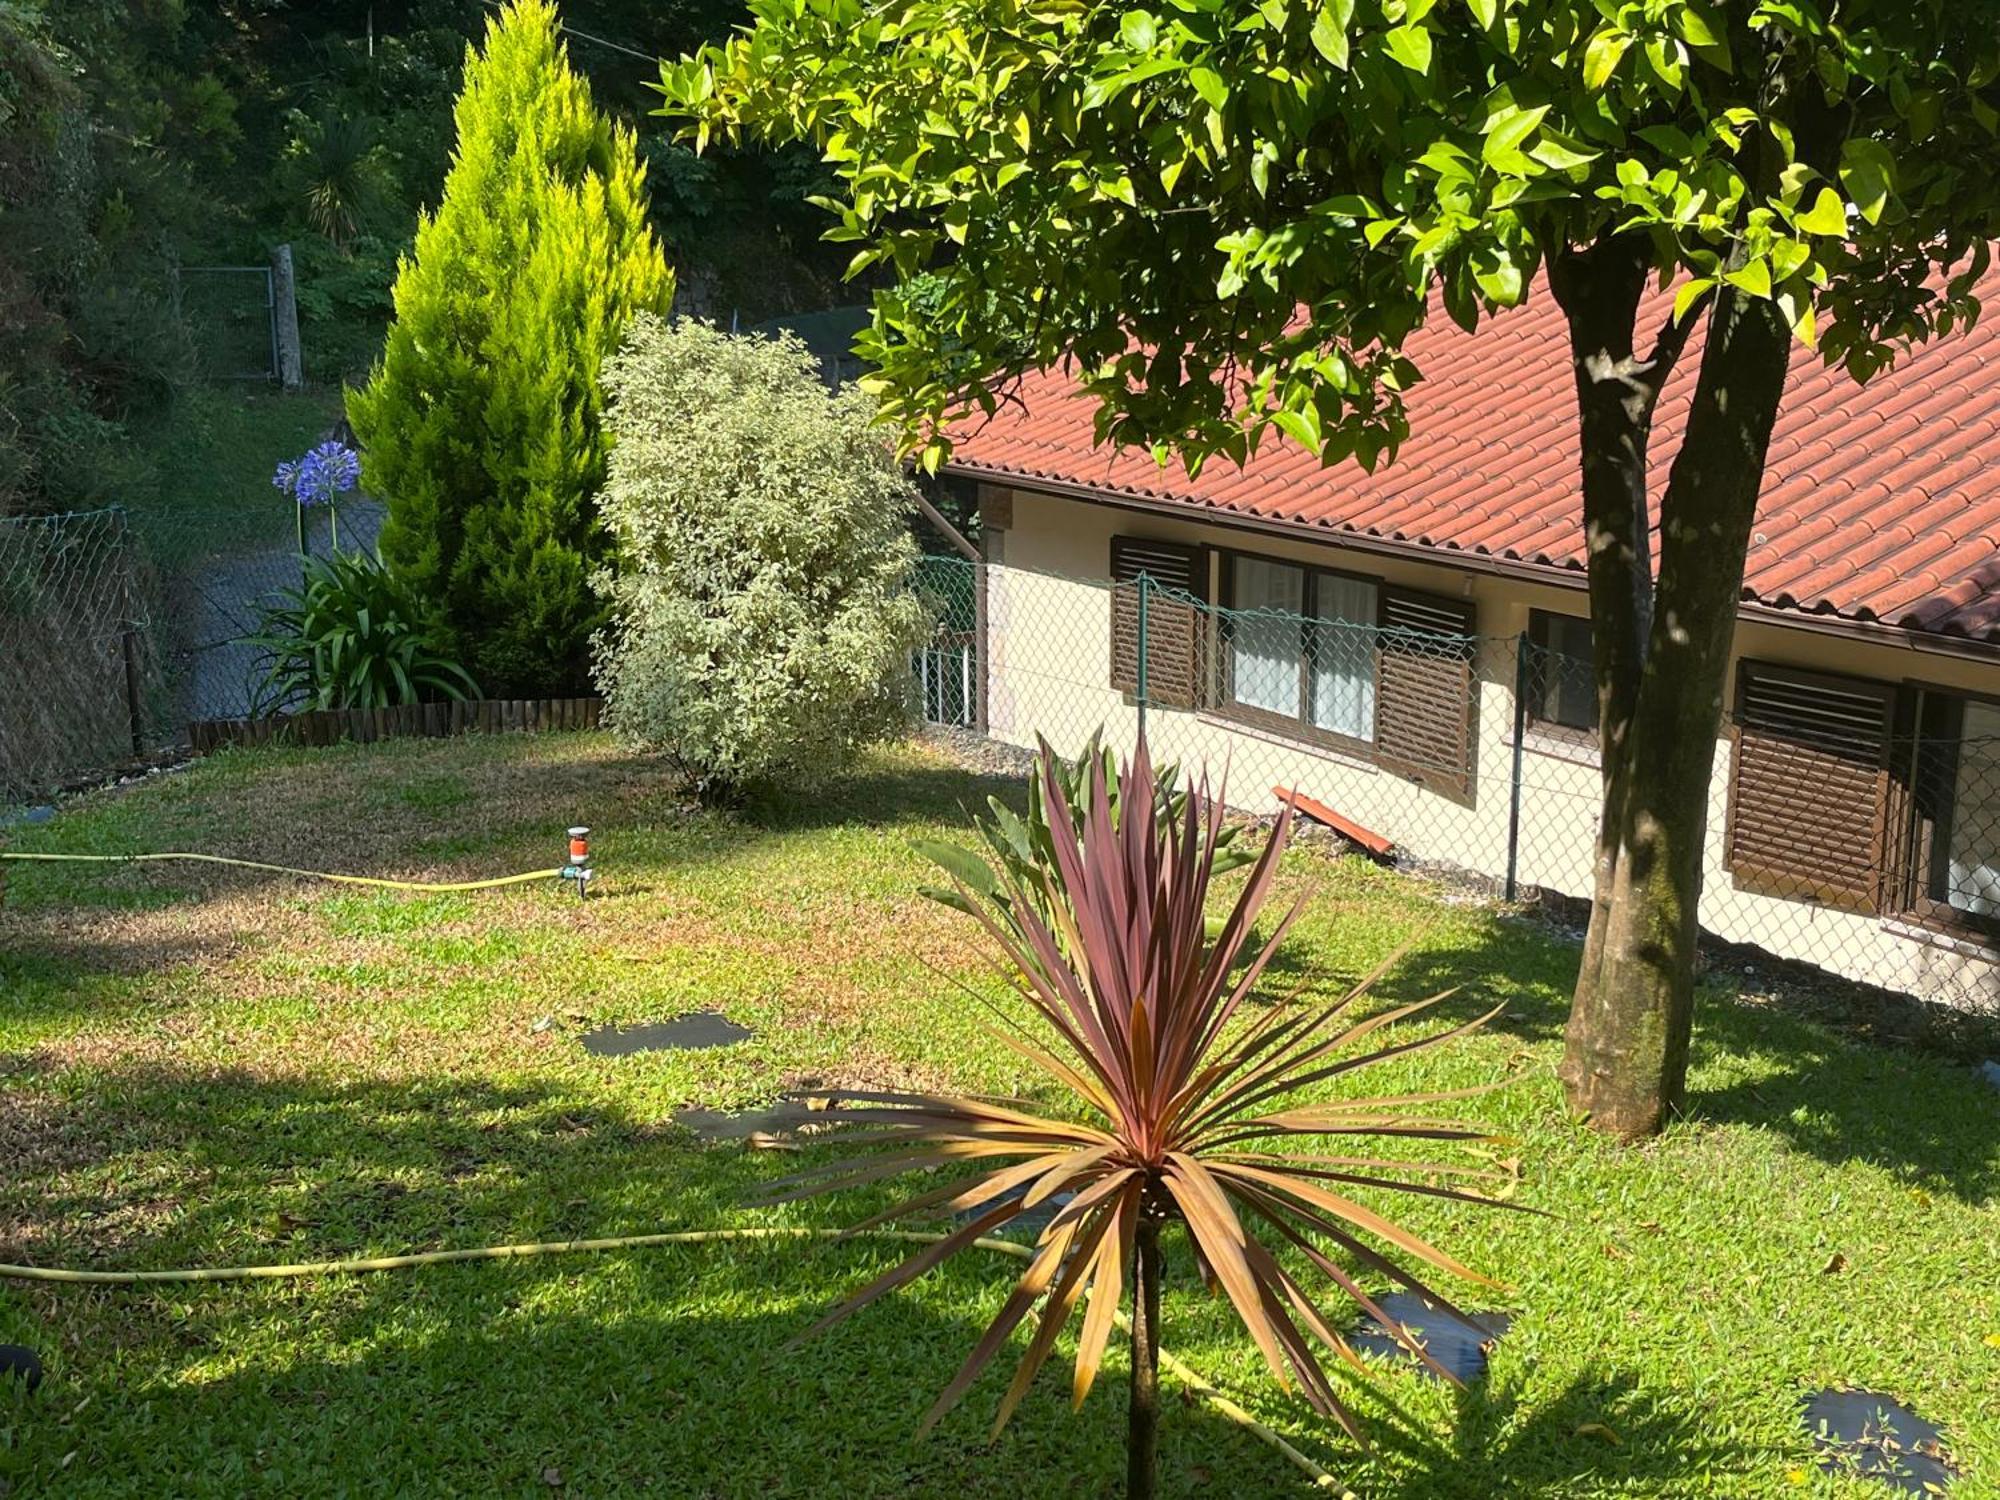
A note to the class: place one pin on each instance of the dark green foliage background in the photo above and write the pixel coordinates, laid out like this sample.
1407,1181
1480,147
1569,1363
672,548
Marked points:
137,134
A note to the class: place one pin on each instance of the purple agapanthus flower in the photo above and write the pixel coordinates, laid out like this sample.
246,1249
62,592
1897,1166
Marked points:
326,473
286,480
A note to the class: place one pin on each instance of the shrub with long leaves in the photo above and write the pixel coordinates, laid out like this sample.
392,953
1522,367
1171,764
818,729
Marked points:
353,635
1178,1105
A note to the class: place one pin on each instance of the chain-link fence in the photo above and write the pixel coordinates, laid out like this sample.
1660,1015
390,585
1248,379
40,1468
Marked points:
231,312
1853,828
120,628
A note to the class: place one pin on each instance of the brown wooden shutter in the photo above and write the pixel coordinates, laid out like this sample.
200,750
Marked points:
1173,619
1809,786
1423,689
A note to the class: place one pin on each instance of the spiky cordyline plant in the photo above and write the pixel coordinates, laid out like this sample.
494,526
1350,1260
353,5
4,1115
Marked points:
1179,1121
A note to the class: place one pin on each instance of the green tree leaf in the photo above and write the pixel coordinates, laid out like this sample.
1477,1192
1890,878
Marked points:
1868,172
1603,54
1410,46
1329,31
1504,134
1138,30
1828,215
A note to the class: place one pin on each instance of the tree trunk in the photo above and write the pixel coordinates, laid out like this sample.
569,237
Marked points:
1625,1060
1599,290
1142,1432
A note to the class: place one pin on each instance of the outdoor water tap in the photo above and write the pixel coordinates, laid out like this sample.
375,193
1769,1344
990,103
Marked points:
578,868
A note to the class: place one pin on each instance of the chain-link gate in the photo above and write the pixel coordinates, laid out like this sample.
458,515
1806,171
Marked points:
232,314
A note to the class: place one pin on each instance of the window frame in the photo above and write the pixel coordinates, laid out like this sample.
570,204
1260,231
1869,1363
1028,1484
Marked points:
1226,705
1546,729
1923,832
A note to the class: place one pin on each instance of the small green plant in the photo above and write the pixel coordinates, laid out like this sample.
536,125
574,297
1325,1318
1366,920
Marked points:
1176,1106
353,635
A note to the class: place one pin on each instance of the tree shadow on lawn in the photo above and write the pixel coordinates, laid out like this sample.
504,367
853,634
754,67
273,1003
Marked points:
1603,1432
660,1369
878,795
227,1163
1839,1100
663,1371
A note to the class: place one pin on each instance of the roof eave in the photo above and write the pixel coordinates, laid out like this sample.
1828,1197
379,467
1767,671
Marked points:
1554,575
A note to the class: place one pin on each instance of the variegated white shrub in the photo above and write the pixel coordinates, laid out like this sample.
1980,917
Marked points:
763,600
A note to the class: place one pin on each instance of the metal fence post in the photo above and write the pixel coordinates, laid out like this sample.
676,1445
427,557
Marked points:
1521,649
128,635
1145,587
982,628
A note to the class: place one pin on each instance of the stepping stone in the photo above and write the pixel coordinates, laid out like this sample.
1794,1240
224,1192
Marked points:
1460,1346
21,1364
1866,1432
694,1032
1030,1222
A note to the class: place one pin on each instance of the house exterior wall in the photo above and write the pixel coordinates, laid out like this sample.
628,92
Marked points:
1048,675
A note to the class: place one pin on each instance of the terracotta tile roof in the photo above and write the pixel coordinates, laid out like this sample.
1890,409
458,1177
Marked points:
1880,502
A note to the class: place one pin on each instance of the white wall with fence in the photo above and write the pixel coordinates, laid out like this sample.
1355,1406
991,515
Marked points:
1471,755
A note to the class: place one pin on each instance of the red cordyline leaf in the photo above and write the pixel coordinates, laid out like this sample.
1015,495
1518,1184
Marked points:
1172,1118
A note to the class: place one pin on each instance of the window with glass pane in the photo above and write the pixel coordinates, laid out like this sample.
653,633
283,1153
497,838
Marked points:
1264,636
1972,848
1343,665
1566,685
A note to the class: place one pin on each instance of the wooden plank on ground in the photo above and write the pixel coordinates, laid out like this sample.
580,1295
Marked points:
1347,828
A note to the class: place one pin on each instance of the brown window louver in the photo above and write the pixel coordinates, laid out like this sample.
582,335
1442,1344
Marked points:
1423,703
1810,786
1178,584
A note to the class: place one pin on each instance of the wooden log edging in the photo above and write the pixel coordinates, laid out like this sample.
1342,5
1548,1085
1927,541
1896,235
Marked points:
331,726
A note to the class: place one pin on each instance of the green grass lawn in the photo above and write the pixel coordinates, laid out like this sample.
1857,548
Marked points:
212,456
204,1067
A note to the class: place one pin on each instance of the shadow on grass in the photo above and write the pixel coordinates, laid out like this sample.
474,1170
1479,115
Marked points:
1837,1099
651,1371
878,795
1601,1433
291,1170
663,1371
658,1373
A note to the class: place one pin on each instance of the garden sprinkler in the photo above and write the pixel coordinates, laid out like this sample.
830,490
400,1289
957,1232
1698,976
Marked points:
578,868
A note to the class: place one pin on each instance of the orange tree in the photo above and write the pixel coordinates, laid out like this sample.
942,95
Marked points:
1231,215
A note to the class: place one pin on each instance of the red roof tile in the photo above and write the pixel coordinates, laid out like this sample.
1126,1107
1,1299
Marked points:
1880,502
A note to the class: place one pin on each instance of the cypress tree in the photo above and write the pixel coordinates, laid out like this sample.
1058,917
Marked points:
482,424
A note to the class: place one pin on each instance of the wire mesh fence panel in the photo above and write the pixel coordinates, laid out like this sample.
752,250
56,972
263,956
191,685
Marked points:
72,692
119,629
946,666
230,311
1869,854
217,574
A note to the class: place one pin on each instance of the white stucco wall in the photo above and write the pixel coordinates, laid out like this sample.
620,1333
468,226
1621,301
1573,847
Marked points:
1048,672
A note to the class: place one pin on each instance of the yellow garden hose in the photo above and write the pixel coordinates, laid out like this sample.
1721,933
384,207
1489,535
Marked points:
251,864
1320,1478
